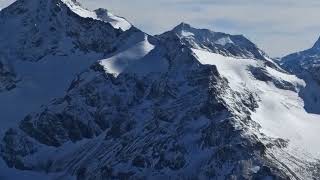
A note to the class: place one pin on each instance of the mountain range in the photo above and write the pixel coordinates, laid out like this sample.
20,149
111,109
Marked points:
86,95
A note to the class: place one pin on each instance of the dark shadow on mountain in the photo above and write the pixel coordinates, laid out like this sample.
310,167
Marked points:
311,96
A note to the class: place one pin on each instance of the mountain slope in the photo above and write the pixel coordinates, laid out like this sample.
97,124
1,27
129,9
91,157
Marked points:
160,125
187,104
44,44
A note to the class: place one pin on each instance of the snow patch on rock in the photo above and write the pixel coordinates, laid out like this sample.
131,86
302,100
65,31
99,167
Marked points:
99,14
136,58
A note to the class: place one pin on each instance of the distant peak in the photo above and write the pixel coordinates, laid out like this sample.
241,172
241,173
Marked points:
182,26
186,30
217,42
317,44
187,27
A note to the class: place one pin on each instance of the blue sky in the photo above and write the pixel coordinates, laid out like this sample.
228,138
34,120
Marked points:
277,26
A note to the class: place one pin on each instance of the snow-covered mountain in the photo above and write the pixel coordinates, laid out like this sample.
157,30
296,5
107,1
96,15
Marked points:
306,65
236,46
187,104
44,44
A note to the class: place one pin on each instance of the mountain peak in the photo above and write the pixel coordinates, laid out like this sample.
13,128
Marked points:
182,26
185,29
217,42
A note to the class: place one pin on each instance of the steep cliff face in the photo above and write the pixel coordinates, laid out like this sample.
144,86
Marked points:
187,104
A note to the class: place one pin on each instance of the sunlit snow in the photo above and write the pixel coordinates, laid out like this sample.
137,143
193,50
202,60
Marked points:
281,112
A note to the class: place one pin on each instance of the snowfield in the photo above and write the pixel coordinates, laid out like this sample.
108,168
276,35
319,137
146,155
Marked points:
281,113
135,58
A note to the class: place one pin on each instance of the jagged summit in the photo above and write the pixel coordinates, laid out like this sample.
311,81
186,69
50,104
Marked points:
218,42
182,26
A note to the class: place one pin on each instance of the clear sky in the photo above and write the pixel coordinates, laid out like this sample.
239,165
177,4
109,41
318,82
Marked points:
277,26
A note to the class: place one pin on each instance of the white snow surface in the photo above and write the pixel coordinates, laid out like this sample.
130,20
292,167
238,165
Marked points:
115,21
187,33
136,58
224,41
281,112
